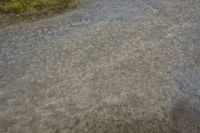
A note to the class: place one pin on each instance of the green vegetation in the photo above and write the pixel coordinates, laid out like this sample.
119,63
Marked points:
32,6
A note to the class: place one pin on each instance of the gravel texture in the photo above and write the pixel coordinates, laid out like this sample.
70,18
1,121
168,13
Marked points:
110,66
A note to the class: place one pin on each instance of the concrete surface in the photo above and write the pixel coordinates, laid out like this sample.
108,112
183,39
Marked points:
111,66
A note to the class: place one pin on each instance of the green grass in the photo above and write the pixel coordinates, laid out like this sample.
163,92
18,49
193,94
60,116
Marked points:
30,6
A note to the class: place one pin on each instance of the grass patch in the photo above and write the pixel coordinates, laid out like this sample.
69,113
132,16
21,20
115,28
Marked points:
32,6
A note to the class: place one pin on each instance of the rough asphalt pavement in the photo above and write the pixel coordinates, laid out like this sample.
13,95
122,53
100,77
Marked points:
111,66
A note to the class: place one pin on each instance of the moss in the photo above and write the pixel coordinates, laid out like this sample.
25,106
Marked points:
21,6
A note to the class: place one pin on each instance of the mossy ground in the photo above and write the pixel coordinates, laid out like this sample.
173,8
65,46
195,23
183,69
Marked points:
32,6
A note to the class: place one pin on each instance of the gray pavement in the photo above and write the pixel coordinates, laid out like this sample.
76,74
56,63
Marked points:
110,66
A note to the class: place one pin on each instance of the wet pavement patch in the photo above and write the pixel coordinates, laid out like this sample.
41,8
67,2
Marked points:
186,101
